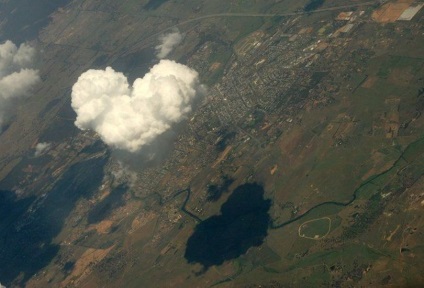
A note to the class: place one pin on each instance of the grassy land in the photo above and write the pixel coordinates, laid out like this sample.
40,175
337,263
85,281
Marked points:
315,229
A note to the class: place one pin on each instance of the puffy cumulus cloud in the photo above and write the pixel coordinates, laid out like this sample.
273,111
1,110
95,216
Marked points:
16,76
41,148
128,117
1,286
168,43
13,58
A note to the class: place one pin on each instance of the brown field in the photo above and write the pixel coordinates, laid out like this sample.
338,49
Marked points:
215,66
390,12
344,16
291,141
401,76
369,83
306,30
273,169
84,265
103,227
223,155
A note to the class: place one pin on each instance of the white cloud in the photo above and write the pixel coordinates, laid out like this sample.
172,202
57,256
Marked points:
16,76
168,43
124,174
1,286
40,149
127,117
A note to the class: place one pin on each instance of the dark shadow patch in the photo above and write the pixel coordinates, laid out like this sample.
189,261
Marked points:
135,65
53,103
28,226
101,61
63,126
313,5
24,19
154,4
243,223
105,207
7,124
215,191
224,139
255,119
68,267
11,208
94,148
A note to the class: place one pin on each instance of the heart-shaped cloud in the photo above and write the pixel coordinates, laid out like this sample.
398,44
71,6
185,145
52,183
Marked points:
129,117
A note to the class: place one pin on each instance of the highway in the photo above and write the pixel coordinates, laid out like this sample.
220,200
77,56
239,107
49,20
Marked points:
266,15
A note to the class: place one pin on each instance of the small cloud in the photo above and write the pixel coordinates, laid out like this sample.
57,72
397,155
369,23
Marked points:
1,286
124,175
41,148
168,43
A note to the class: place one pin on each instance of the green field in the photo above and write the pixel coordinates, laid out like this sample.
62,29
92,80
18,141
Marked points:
315,229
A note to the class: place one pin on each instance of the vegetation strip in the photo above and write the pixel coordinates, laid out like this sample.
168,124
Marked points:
355,193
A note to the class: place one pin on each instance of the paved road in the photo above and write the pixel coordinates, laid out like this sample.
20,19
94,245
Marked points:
369,3
273,15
